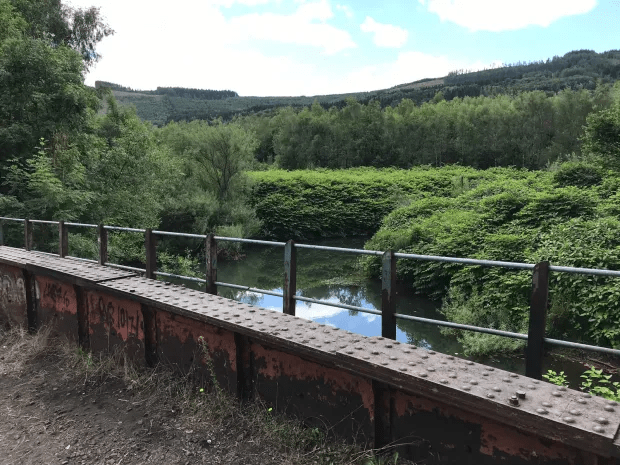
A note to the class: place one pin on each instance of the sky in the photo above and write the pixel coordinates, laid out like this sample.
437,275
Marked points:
318,47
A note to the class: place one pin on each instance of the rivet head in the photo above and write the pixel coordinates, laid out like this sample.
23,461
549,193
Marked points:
407,351
542,411
469,363
608,408
452,375
496,389
612,402
422,375
450,357
342,346
568,420
473,382
430,369
349,352
546,404
392,358
358,348
561,388
403,368
521,394
490,369
514,375
431,352
365,357
530,386
602,420
599,429
443,381
374,352
466,388
514,400
490,395
581,401
556,394
412,364
389,346
506,380
574,412
424,356
384,363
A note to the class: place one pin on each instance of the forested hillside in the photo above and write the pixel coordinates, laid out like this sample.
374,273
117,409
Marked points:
582,69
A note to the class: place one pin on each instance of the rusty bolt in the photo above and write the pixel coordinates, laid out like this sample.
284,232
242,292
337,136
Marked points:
514,400
521,394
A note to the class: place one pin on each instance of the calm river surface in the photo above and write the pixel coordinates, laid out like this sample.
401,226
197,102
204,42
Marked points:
335,277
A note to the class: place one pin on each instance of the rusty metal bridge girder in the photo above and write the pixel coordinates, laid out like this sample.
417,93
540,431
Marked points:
550,411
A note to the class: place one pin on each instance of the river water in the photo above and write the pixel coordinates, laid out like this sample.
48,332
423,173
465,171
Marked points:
335,277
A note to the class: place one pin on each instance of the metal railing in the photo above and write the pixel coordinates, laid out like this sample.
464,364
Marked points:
539,301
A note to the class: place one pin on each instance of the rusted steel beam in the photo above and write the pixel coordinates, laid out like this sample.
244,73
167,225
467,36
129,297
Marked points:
150,245
290,278
538,320
63,239
436,404
388,302
102,242
150,335
211,268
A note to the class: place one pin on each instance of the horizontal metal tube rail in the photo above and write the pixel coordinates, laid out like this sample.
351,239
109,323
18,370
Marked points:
466,261
21,220
449,324
249,241
250,289
176,234
577,345
339,305
339,249
187,278
83,225
44,221
118,228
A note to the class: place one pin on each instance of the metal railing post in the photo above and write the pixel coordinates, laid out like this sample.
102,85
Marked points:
290,278
27,234
1,232
211,271
538,320
150,244
388,303
63,239
102,242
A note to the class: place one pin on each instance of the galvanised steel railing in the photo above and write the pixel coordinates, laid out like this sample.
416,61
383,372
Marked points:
535,337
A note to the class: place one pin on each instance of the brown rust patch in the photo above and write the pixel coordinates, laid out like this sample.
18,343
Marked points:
278,364
187,330
494,439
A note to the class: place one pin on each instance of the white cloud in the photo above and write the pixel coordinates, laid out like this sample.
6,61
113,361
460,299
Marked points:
408,67
347,10
385,35
307,26
502,15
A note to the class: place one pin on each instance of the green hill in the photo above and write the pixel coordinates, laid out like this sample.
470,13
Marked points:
581,69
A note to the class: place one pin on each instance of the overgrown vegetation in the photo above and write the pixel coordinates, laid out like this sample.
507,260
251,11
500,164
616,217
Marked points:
594,382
